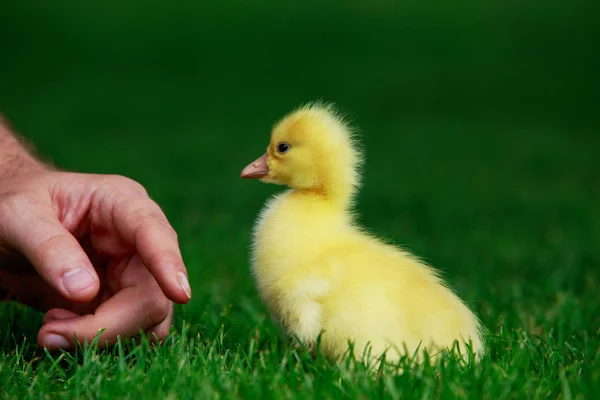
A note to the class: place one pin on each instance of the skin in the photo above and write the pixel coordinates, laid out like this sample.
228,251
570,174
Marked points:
90,251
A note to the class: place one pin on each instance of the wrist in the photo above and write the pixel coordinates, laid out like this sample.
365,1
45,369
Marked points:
15,160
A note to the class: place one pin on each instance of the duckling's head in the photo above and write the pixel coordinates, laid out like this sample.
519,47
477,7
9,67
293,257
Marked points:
313,150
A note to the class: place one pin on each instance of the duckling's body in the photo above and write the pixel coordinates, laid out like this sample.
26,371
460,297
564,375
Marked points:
321,274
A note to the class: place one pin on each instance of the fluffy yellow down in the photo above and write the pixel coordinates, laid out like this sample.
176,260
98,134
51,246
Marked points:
319,273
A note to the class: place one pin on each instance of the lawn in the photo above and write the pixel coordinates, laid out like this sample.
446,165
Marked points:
481,127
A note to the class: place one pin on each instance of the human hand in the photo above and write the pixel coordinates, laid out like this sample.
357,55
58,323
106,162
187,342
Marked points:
93,252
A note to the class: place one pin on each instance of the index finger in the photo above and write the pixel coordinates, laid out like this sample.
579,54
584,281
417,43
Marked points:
140,222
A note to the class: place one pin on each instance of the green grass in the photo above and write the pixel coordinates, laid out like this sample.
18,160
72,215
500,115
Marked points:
482,134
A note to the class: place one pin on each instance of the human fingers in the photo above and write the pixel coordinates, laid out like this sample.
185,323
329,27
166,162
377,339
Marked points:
35,231
124,314
57,314
140,222
161,331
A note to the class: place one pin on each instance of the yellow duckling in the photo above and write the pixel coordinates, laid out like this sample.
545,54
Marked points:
320,274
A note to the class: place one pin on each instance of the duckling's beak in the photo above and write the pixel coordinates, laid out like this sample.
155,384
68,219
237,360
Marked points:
257,169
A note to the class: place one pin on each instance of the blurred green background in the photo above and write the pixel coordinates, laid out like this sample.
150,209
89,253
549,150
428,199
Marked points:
480,121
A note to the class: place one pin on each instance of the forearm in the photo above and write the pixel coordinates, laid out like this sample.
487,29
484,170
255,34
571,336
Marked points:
15,157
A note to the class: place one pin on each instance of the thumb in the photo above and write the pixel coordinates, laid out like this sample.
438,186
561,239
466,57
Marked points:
55,254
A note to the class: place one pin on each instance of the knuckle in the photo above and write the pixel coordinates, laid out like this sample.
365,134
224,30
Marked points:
150,209
143,209
168,229
54,245
161,332
131,184
110,194
158,309
122,184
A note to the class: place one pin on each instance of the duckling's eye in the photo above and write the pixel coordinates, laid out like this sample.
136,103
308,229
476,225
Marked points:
283,147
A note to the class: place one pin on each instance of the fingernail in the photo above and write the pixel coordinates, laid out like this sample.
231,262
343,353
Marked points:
185,285
53,341
77,279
